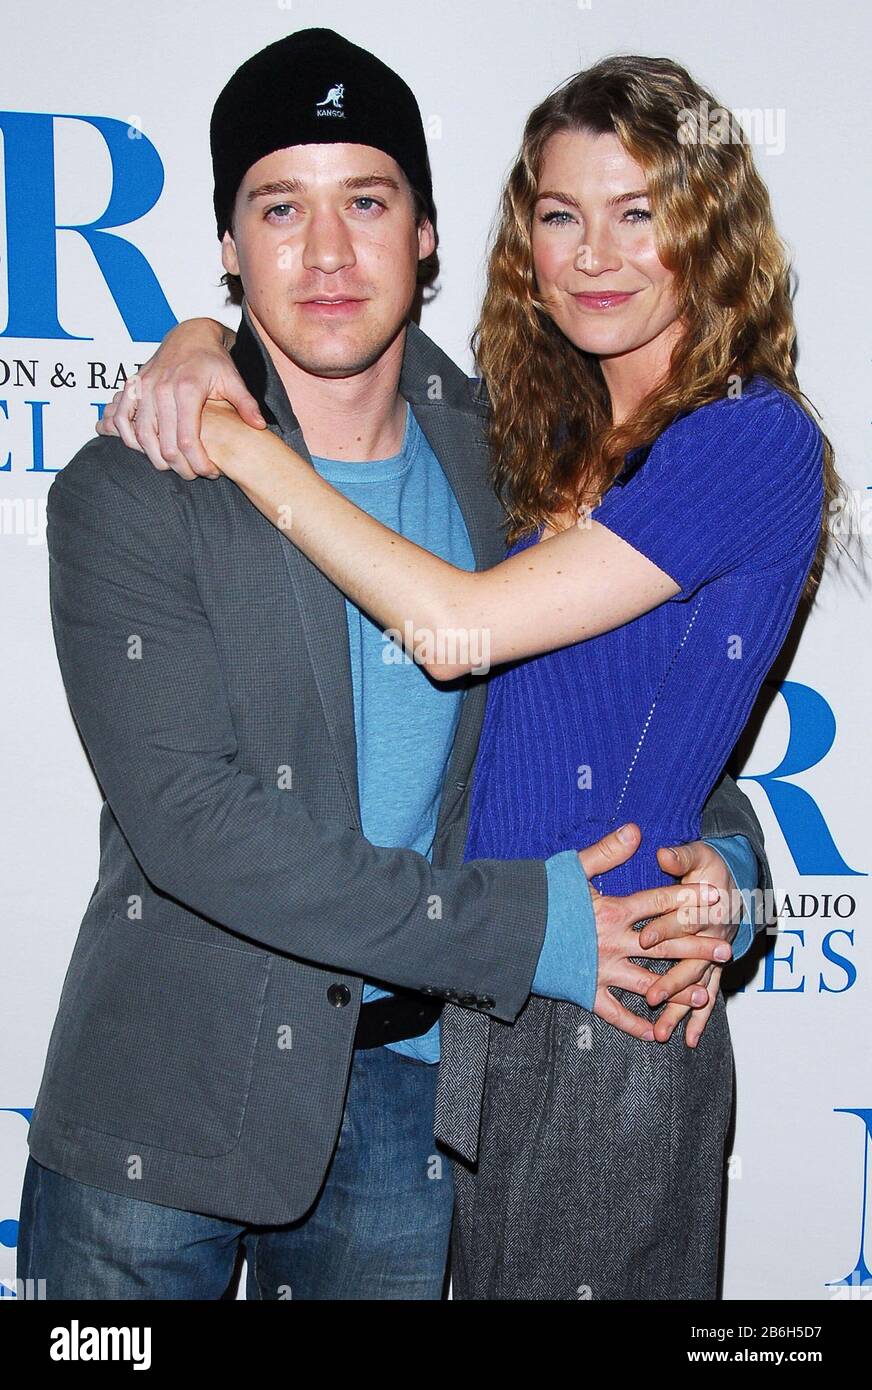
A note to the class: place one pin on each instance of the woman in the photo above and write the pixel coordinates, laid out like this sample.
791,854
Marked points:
667,488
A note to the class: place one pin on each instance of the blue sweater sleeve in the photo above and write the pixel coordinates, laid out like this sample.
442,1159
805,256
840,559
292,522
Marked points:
567,966
734,486
740,859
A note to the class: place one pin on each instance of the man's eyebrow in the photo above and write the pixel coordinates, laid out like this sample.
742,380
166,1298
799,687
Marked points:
292,186
571,202
265,190
372,181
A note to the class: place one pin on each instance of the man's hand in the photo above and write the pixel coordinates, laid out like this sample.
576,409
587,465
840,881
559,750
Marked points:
619,943
695,863
159,409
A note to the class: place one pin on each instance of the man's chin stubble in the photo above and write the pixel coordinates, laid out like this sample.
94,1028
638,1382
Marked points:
319,367
358,359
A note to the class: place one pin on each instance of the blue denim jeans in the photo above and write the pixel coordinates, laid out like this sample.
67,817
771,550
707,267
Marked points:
379,1228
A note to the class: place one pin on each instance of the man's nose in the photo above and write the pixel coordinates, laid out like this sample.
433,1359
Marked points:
328,244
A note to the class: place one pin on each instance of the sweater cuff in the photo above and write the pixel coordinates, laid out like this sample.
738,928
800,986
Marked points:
740,859
567,967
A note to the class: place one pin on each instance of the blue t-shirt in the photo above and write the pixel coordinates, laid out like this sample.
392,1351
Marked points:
404,721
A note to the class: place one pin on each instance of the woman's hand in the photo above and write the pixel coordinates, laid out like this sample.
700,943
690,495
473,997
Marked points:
159,409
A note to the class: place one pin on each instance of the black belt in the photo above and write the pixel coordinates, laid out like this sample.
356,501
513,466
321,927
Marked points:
396,1017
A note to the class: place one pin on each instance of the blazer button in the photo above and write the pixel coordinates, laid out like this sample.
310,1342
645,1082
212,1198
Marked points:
339,996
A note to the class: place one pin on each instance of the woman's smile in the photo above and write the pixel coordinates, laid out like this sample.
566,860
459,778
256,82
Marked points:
599,300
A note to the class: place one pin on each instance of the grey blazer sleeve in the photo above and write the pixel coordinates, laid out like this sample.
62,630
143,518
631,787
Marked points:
247,856
729,812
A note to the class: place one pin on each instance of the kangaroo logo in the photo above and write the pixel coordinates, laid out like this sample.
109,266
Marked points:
333,100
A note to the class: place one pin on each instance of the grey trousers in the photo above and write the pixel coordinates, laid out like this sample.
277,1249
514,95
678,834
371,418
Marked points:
601,1165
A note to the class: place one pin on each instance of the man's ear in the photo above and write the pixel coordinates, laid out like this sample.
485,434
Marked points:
229,259
426,239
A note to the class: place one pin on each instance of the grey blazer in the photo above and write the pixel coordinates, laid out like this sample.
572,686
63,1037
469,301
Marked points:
203,1039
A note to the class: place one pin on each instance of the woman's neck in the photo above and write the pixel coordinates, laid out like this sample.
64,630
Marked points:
631,376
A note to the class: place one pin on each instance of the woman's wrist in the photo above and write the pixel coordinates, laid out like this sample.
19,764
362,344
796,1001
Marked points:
242,453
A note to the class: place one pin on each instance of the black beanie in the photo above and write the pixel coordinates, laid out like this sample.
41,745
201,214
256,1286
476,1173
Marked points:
312,88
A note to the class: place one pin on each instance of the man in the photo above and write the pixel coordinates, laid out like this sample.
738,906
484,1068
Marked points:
273,838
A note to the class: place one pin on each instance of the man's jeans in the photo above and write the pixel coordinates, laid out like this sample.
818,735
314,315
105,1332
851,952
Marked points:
378,1229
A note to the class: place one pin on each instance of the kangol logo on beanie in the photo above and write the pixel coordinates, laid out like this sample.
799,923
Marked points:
332,103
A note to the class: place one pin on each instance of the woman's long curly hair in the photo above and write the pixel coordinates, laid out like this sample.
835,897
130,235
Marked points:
553,444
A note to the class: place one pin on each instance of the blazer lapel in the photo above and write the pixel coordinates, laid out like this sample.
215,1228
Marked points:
320,602
456,426
326,627
440,395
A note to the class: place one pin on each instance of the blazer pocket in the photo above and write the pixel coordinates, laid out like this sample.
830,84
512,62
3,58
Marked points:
155,1039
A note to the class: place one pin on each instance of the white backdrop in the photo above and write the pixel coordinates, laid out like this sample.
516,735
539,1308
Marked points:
801,1026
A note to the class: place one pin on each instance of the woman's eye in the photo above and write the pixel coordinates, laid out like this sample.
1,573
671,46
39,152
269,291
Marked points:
557,217
638,215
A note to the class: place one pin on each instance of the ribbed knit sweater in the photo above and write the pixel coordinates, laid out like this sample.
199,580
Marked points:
638,723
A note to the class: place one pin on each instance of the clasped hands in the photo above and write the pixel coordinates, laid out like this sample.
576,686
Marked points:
701,900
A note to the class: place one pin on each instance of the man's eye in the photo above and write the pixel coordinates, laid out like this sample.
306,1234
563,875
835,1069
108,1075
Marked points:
282,209
370,202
